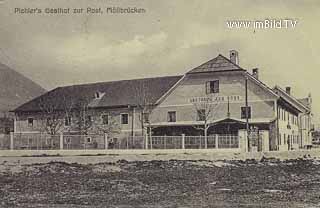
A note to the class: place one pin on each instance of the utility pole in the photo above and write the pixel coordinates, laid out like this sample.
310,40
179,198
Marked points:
228,113
247,113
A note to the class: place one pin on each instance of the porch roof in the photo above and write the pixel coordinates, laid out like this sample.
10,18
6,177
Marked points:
222,120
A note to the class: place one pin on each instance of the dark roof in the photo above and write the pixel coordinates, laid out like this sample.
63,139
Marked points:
114,93
220,63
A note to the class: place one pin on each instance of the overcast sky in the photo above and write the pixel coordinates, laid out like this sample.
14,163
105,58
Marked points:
170,38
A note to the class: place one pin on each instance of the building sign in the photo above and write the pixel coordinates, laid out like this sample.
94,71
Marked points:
216,99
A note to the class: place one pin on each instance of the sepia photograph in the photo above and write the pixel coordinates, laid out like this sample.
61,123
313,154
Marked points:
159,104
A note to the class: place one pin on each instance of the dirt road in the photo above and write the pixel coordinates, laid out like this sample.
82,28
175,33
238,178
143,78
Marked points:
173,183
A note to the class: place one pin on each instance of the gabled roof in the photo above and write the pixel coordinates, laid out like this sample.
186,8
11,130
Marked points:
228,120
116,93
290,99
305,101
220,63
261,84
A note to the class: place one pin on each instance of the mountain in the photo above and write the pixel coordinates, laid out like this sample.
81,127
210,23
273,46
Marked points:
15,89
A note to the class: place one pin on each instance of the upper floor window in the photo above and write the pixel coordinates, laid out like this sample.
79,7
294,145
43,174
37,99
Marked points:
245,111
105,119
201,114
293,120
145,117
171,116
124,118
212,87
30,121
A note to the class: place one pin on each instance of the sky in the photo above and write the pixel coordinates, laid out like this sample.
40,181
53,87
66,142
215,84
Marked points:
169,38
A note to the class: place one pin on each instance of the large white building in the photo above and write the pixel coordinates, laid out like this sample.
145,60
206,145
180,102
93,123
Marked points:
176,105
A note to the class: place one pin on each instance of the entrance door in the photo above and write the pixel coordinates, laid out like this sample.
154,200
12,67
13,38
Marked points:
255,140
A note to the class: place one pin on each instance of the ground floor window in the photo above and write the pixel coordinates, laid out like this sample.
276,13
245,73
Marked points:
244,111
171,116
201,114
124,118
67,121
279,139
89,140
105,119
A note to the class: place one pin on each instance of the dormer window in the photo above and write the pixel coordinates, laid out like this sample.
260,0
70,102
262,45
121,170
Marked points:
98,95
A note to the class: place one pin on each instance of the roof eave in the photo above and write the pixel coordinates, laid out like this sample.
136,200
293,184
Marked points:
263,85
293,98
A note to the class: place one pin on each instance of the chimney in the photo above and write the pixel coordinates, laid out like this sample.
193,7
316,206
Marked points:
288,90
255,73
234,57
309,99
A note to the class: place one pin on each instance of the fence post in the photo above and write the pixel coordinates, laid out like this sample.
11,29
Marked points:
61,141
216,140
11,140
105,141
183,141
146,141
127,142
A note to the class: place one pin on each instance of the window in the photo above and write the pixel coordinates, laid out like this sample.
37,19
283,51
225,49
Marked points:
98,95
89,139
279,139
88,119
243,112
145,117
212,87
105,119
67,121
49,121
68,140
171,116
30,121
201,115
284,139
280,113
124,118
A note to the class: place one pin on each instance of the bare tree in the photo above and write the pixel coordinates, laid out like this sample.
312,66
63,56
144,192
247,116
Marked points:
205,113
108,125
144,106
53,113
83,121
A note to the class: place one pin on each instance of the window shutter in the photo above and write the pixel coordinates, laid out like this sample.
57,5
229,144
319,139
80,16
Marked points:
207,87
216,86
